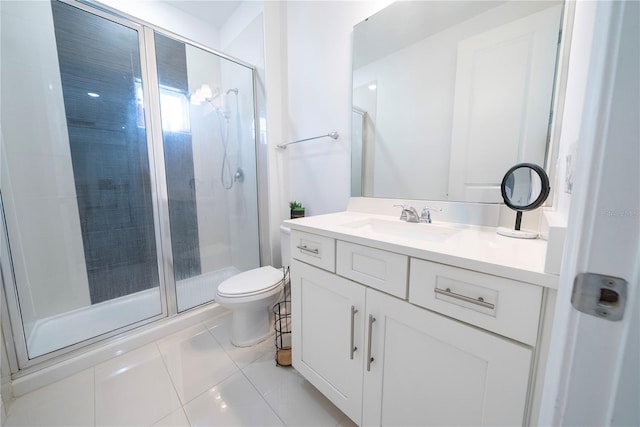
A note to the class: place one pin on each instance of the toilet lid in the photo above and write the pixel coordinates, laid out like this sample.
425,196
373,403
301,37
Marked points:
251,282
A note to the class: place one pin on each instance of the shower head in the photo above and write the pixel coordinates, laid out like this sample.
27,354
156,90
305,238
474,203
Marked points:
204,94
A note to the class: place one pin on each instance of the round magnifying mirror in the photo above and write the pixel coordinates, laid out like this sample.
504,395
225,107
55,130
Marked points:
524,187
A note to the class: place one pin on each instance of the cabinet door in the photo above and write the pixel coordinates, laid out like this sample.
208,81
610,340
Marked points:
327,339
428,370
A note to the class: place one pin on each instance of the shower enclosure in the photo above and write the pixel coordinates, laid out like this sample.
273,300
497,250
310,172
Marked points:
128,176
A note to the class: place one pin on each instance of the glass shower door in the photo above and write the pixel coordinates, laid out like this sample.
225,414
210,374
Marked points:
76,180
207,110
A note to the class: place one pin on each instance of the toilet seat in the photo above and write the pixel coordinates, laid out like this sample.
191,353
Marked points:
250,283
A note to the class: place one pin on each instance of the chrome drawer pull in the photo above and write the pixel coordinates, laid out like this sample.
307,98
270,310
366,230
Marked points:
304,248
479,301
352,348
369,358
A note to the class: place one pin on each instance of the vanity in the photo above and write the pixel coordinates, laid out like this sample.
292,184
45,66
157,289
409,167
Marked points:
402,323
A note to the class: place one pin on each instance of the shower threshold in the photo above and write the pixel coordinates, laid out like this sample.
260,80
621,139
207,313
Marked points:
65,329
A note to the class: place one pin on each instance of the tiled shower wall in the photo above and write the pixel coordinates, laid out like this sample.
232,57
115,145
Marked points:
178,153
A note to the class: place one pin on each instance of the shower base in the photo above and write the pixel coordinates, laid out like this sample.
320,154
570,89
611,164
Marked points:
62,330
201,289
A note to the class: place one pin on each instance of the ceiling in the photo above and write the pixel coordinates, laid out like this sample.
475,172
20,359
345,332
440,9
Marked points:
406,22
215,12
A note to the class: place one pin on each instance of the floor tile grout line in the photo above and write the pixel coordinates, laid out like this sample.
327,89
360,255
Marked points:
339,421
182,405
225,350
164,363
260,393
264,398
184,411
248,379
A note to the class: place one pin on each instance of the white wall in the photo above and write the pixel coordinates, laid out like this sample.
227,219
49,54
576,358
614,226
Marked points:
318,100
169,18
578,69
236,37
273,88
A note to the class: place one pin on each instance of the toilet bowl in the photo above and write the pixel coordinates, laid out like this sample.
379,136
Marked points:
251,295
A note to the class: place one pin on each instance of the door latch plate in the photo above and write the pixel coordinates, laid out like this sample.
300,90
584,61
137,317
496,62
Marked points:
600,295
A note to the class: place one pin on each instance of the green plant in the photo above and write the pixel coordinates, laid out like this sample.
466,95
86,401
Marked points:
295,205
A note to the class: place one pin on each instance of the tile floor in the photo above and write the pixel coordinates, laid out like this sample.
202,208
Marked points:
192,378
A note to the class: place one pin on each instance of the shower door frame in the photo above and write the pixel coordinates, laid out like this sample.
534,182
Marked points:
14,334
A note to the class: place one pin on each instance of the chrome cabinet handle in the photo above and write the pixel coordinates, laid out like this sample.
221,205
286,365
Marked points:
305,248
369,358
352,348
479,301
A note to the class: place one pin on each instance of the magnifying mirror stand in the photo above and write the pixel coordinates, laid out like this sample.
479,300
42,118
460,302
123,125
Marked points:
524,187
516,232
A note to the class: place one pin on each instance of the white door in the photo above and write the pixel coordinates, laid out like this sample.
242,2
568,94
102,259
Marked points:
502,102
593,374
327,334
429,370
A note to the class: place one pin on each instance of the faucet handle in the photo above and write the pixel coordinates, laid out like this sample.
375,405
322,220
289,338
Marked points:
403,215
425,216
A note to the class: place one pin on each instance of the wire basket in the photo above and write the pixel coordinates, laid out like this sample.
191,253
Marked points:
282,326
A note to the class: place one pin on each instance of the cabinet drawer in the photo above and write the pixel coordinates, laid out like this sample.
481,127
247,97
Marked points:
382,270
313,249
504,306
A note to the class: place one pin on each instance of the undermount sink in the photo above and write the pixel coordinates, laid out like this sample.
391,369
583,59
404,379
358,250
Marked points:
375,227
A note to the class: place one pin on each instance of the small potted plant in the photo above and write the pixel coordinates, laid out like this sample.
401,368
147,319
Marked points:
297,210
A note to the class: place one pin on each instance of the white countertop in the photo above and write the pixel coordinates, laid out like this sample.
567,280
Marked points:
465,246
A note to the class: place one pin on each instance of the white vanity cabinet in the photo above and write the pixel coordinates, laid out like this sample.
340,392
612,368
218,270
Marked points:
428,370
388,354
327,334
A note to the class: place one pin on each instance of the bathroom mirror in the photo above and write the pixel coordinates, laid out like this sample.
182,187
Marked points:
448,95
524,187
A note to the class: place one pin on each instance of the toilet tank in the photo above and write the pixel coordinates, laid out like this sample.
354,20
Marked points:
285,249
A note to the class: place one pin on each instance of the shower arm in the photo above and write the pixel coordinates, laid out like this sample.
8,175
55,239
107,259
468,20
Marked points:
333,135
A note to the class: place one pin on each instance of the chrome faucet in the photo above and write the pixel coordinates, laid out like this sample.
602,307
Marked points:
409,213
426,214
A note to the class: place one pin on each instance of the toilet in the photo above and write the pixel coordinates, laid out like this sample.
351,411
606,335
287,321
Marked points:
251,295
